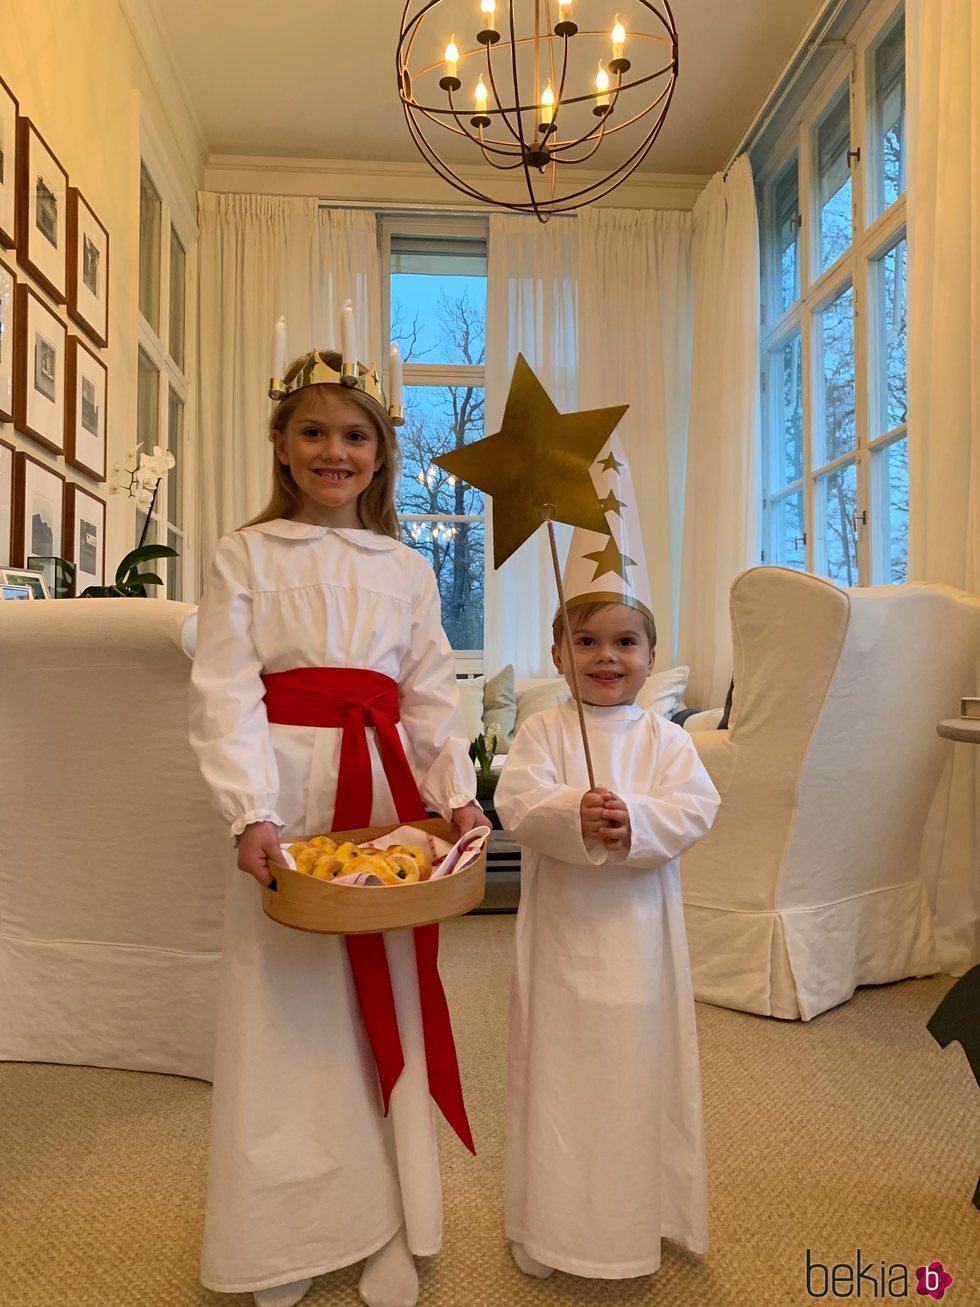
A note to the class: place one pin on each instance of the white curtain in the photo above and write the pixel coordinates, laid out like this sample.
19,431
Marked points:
943,44
721,529
531,309
635,347
262,256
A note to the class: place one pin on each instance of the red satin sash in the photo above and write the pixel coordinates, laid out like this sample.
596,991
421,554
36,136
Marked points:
353,699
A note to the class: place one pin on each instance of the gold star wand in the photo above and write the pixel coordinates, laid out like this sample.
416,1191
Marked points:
536,469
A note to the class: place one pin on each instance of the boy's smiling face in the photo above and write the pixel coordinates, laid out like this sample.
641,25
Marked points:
613,655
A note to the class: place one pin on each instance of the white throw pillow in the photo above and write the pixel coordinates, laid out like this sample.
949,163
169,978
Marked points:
664,691
471,695
703,721
542,692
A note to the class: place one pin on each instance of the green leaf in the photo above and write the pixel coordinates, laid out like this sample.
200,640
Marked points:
142,555
145,578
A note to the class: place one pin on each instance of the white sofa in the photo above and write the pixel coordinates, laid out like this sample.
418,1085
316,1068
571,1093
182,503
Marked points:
111,877
809,884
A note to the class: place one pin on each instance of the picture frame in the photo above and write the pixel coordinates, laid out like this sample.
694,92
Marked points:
41,211
15,591
8,300
9,114
34,580
38,509
40,346
84,535
6,502
58,572
86,392
88,269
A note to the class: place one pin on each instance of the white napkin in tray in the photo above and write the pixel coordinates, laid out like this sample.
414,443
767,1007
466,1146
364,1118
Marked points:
454,856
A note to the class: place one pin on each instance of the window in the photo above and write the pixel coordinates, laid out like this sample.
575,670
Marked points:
835,467
161,395
437,313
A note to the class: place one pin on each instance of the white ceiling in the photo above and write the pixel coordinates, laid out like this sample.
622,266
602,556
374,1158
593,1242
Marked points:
316,79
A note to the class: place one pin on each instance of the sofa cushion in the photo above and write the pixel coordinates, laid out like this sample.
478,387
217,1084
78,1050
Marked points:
541,692
500,706
664,691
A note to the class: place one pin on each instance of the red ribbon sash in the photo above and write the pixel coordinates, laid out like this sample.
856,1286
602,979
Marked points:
352,699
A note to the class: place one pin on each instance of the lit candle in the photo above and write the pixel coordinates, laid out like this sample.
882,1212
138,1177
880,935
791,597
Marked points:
395,378
564,10
618,39
451,56
279,351
480,96
547,106
602,86
488,6
347,345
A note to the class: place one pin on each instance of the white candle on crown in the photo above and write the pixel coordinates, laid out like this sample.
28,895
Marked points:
348,347
395,378
279,350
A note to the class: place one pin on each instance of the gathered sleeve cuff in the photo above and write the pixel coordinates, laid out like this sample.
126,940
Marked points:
430,708
537,809
229,729
678,809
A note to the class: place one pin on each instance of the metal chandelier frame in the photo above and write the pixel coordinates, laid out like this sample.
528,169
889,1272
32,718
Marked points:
539,155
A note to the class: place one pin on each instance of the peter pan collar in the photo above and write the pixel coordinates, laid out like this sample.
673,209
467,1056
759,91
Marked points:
284,529
613,716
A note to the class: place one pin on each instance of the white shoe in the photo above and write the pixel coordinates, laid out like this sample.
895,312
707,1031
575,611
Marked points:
282,1295
389,1278
528,1264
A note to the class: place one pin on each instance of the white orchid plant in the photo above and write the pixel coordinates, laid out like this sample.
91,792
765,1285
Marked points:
141,481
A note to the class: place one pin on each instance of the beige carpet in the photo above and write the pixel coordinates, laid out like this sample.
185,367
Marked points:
855,1131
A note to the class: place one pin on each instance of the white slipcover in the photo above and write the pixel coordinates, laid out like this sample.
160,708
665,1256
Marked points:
809,882
111,872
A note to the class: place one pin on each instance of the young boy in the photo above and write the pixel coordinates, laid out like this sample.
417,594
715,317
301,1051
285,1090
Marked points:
605,1143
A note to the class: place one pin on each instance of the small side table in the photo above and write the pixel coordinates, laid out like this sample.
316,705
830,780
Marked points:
964,729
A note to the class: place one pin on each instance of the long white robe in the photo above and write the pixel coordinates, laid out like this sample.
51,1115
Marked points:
605,1140
305,1175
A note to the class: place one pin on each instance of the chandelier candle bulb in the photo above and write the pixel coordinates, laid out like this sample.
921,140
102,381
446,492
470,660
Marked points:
547,106
481,118
618,64
487,7
565,26
602,87
450,82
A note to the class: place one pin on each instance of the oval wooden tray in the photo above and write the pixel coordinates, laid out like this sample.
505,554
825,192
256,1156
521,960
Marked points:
324,908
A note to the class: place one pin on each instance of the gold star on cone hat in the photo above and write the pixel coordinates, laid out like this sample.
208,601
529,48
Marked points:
610,568
537,465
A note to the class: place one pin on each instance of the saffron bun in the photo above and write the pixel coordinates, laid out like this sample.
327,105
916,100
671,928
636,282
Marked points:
324,843
345,852
329,867
306,857
421,859
296,849
404,867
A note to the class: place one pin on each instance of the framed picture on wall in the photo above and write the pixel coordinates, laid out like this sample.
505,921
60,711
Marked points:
9,109
39,371
88,269
42,211
86,389
6,501
85,536
8,284
39,509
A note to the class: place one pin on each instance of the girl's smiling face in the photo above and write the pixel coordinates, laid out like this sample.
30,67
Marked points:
332,450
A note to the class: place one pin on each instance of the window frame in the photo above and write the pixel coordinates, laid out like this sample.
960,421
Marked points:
859,267
437,227
154,342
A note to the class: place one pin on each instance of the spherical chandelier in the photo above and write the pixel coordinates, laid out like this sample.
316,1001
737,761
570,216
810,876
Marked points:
535,94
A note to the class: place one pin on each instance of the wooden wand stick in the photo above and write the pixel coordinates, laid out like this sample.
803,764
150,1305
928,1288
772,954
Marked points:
548,514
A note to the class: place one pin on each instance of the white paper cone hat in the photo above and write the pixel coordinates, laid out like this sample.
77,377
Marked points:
610,569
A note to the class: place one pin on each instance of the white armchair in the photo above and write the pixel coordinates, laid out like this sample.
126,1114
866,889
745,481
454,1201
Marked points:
809,883
111,874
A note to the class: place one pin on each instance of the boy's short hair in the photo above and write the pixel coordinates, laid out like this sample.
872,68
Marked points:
582,612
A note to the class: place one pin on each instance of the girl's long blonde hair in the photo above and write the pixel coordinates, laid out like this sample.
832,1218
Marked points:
376,504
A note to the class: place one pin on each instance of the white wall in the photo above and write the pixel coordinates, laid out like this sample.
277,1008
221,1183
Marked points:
80,76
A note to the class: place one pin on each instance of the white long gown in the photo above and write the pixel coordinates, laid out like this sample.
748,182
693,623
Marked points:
605,1140
305,1174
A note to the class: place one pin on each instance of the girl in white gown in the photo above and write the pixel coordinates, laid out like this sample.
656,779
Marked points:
306,1173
